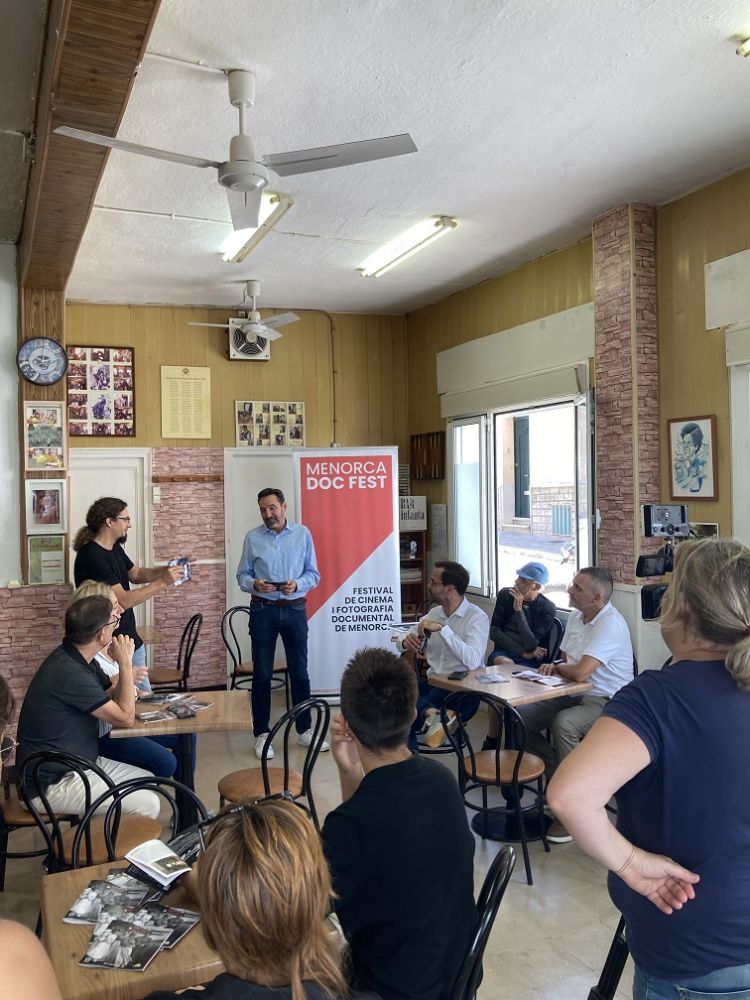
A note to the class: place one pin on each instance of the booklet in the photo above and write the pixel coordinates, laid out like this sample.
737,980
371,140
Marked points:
186,572
97,895
122,944
177,706
534,675
158,861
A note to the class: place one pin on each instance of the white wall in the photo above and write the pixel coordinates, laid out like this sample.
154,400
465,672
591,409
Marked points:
10,509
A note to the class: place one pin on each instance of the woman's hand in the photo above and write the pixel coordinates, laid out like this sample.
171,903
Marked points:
668,885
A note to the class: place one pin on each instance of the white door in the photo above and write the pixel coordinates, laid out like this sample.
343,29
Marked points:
115,472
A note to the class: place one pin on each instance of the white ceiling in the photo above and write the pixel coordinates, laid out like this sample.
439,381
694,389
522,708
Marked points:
530,118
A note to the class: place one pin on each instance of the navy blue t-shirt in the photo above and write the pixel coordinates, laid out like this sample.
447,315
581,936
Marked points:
690,803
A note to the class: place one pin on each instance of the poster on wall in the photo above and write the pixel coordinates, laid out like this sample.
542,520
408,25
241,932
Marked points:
45,440
101,391
348,499
46,559
268,423
185,401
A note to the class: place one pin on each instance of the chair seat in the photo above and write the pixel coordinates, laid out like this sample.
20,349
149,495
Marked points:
164,675
133,830
246,668
247,784
531,768
14,814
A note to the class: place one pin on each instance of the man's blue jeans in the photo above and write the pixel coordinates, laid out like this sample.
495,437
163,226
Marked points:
433,697
267,623
733,982
157,754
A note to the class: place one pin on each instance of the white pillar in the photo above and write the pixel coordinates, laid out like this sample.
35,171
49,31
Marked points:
10,508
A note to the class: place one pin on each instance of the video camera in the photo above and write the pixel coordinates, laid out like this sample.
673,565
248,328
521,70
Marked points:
668,521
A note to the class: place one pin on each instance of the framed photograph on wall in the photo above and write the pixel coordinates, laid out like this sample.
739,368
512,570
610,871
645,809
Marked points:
704,529
46,559
101,391
45,507
692,458
268,423
44,436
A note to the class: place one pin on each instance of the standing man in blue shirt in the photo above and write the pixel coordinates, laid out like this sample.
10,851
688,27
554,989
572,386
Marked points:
278,568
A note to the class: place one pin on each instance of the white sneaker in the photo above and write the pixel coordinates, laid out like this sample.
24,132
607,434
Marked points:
305,740
260,742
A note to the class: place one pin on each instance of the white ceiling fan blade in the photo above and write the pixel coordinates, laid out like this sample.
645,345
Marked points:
281,320
302,161
220,326
271,334
244,207
133,147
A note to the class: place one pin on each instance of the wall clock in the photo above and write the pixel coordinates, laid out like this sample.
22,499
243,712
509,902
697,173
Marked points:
42,361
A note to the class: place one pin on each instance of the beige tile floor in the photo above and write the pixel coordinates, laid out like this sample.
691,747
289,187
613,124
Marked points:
549,940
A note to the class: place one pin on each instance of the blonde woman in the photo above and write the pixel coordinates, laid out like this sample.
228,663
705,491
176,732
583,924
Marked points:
673,748
152,753
264,893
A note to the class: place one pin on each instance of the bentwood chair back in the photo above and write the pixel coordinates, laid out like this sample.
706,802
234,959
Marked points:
126,831
509,767
106,809
234,630
490,897
176,678
255,783
554,639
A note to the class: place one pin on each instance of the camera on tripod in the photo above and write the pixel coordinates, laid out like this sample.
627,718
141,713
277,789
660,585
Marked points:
668,521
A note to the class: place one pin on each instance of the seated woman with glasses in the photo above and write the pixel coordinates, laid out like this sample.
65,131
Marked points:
27,971
264,893
152,753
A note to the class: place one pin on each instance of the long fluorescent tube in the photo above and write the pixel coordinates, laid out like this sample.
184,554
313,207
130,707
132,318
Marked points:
240,242
402,247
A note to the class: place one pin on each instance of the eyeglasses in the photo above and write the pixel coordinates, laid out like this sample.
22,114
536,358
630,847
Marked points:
127,520
8,748
114,621
285,796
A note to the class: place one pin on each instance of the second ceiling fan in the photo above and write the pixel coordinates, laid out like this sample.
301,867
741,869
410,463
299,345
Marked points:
244,174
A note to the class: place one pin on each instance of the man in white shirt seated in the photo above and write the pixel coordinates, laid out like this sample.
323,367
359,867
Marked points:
456,633
596,647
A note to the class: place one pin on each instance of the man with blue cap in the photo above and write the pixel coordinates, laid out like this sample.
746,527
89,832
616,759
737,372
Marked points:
522,618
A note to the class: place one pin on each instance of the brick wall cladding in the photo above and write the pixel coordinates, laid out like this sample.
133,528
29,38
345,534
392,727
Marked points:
31,625
189,521
618,275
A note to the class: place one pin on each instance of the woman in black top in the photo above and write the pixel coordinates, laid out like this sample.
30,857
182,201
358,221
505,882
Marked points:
264,893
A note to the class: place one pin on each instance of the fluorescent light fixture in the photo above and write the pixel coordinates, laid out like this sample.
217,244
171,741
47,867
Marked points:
405,245
744,48
240,242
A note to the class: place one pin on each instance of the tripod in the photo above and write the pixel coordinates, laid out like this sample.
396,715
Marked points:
613,966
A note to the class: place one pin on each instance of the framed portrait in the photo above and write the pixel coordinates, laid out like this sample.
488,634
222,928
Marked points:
46,559
692,458
45,506
704,529
267,423
44,436
101,391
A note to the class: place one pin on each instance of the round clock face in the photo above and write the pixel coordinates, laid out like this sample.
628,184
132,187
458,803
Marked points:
42,361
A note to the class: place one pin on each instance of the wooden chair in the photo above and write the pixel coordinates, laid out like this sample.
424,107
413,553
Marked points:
128,831
176,678
490,897
508,767
255,783
110,819
233,629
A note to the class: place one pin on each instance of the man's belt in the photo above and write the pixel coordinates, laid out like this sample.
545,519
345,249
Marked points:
278,603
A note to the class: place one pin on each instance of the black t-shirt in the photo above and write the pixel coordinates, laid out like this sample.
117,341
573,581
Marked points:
521,631
402,859
228,987
56,712
94,562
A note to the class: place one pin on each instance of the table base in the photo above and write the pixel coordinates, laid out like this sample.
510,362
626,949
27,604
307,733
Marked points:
504,827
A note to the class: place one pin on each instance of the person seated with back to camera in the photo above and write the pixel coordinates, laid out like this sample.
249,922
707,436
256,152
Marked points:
456,634
399,846
265,893
27,971
157,754
522,618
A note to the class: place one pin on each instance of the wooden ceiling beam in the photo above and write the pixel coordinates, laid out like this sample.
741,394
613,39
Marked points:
92,53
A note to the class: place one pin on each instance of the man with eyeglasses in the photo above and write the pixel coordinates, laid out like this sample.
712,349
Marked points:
68,696
100,556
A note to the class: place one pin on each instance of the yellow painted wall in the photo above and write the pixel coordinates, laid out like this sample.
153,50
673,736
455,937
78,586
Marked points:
369,359
707,225
549,285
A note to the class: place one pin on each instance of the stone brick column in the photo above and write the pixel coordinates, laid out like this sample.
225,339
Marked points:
627,382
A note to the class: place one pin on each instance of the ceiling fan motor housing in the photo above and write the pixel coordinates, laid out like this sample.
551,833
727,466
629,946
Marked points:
241,172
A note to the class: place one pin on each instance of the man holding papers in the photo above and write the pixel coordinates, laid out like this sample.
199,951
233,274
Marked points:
596,647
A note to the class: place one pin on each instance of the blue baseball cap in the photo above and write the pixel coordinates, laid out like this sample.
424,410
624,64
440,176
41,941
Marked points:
534,571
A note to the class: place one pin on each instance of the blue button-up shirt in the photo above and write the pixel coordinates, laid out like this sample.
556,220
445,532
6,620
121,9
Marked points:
279,556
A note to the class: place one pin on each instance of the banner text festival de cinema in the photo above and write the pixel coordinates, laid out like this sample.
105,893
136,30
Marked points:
347,497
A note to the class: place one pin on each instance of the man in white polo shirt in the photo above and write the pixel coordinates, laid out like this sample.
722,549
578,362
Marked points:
596,647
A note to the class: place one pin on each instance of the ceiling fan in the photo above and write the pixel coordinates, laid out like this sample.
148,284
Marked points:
244,175
249,336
